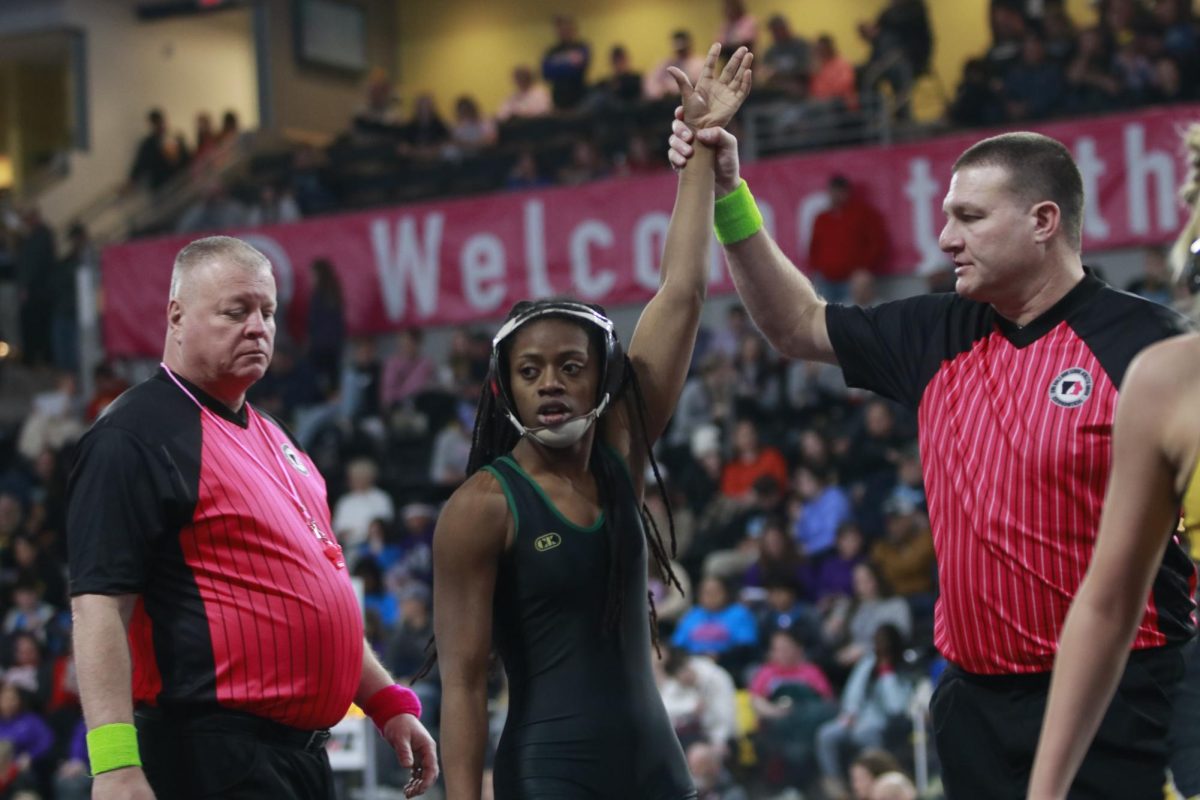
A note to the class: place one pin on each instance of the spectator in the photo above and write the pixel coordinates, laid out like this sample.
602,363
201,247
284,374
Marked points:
29,612
471,132
64,326
275,206
526,174
701,478
779,560
787,663
216,210
529,99
451,448
376,597
30,736
360,505
738,29
756,388
362,380
29,671
700,698
853,625
416,562
659,82
813,387
788,62
1155,281
901,43
1092,83
206,137
407,372
826,508
835,573
382,107
326,334
231,129
728,340
976,101
707,399
36,568
866,767
1034,87
640,158
1008,36
875,449
160,155
565,65
1059,32
904,557
874,694
586,164
426,132
620,89
1133,67
751,460
848,236
1168,86
35,271
717,625
308,181
107,386
713,781
54,420
833,79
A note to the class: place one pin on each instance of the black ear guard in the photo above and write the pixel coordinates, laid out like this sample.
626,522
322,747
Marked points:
612,368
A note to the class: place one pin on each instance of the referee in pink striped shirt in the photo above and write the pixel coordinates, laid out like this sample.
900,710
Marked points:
1014,379
217,635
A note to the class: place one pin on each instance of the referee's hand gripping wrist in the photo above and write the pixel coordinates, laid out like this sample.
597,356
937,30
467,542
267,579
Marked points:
126,783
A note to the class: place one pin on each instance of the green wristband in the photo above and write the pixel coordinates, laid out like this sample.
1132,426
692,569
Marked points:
736,216
113,747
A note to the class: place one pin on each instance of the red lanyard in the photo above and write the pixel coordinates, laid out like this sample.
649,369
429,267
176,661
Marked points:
333,551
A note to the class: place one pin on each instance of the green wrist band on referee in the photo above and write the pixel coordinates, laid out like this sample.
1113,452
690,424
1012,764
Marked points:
113,747
736,216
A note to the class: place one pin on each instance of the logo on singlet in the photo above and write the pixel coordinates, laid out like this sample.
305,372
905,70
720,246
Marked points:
546,542
293,458
1071,388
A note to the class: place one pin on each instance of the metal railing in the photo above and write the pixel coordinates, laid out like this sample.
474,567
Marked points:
790,125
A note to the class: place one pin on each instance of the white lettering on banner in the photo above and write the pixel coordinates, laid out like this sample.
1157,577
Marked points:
649,234
483,272
1091,167
285,276
922,191
591,286
811,206
408,263
535,251
1139,165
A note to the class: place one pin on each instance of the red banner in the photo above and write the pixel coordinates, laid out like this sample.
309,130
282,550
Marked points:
456,261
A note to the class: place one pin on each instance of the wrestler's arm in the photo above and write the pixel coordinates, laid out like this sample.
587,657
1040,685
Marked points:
1140,511
472,532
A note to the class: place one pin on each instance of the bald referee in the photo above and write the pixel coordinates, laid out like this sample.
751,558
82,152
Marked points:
205,575
1014,379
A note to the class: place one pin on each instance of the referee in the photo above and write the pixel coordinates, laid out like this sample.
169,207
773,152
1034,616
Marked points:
205,576
1014,379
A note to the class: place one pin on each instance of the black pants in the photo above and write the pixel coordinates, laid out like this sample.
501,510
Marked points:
203,755
986,729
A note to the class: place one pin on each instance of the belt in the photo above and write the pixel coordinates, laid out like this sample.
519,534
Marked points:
220,720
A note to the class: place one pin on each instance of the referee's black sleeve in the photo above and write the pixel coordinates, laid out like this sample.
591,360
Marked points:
884,348
115,512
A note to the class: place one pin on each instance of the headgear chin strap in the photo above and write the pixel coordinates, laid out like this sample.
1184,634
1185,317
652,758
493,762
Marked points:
561,434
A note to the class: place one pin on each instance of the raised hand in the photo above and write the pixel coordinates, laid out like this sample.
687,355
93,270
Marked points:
713,101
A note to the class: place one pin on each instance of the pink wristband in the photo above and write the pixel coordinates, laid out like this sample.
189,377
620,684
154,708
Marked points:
391,701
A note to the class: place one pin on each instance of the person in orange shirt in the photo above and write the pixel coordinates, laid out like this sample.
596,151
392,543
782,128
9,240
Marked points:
750,461
834,76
